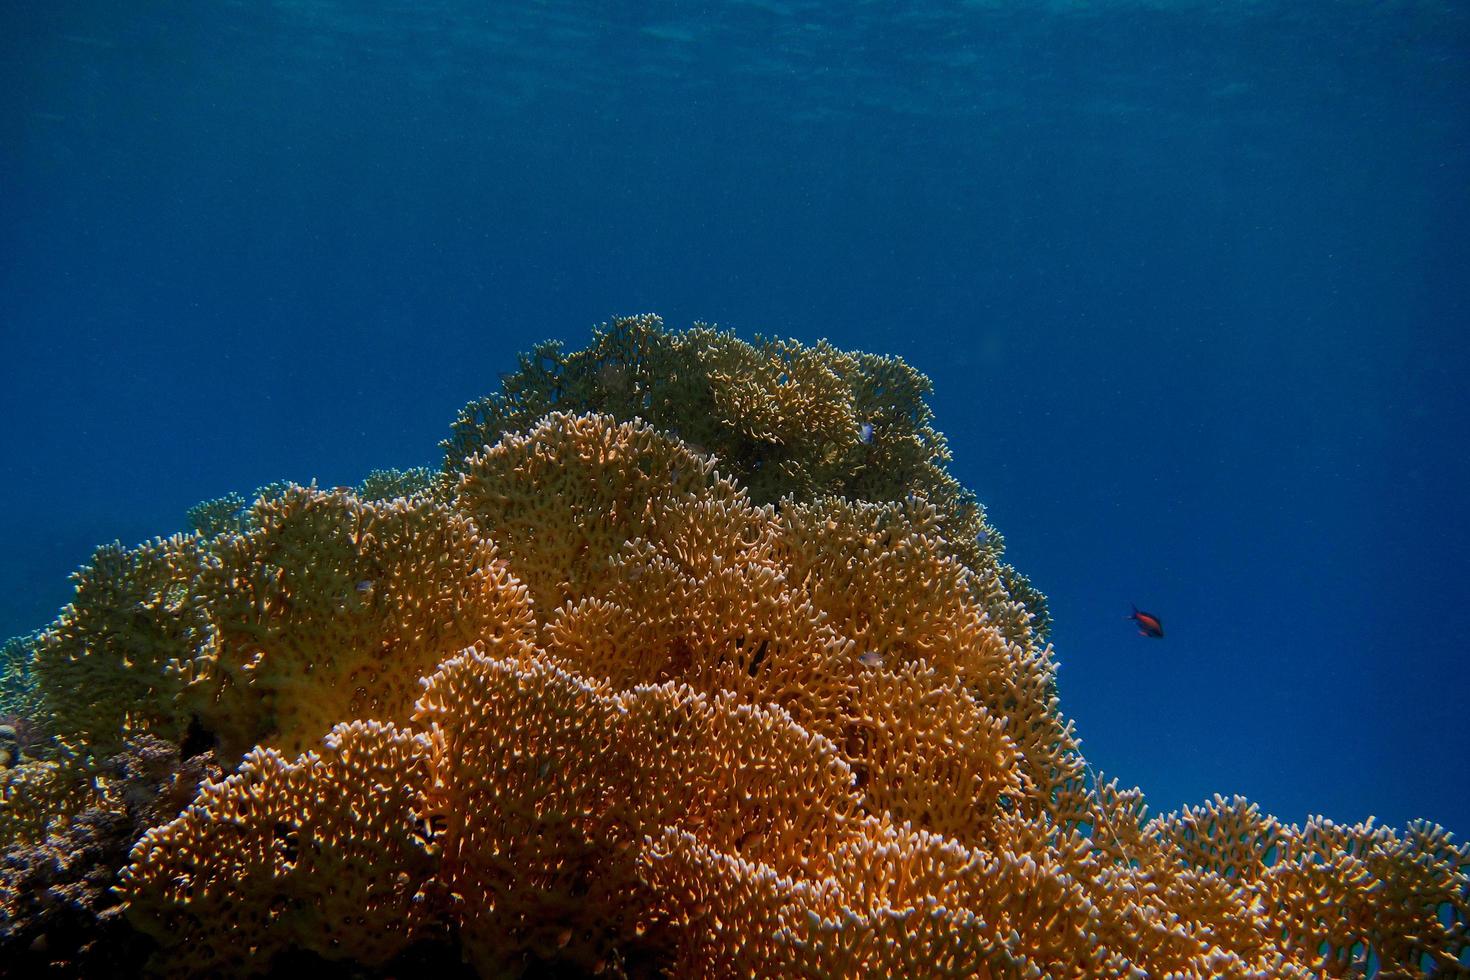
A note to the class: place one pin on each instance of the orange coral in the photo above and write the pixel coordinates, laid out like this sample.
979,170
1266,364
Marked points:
331,608
317,854
669,725
783,418
723,595
542,834
562,498
326,607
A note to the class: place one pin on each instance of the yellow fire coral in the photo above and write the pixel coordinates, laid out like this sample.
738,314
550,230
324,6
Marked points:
787,608
327,607
103,665
564,497
782,418
668,726
18,695
318,854
508,818
332,607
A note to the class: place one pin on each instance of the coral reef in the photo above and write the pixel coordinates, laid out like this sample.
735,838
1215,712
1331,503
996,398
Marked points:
106,668
232,512
323,607
331,607
386,484
211,517
61,915
318,855
18,696
783,419
693,661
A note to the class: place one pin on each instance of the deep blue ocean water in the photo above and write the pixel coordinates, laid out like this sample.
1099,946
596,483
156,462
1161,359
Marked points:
1192,280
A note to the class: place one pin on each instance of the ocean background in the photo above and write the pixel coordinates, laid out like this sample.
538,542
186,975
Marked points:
1192,280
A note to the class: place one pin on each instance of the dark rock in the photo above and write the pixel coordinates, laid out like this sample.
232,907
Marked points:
61,917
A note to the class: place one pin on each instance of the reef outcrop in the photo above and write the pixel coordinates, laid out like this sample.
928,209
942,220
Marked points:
691,661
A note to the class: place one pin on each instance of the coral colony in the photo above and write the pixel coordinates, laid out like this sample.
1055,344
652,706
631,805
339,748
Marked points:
691,661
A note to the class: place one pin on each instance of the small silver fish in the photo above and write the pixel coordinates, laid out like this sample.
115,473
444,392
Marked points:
871,658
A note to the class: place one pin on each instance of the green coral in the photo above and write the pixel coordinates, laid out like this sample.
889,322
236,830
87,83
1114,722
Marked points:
232,513
389,484
18,694
216,516
115,660
786,420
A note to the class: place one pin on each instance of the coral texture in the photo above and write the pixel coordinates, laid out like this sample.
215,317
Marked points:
18,696
388,484
105,668
783,419
59,915
675,670
330,608
317,854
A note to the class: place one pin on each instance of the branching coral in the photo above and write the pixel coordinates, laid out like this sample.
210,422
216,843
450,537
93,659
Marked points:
790,609
37,796
332,607
103,666
726,701
563,497
18,694
58,913
216,516
232,512
318,854
388,484
543,834
783,419
325,607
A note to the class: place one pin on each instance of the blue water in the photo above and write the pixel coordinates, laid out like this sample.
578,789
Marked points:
1192,281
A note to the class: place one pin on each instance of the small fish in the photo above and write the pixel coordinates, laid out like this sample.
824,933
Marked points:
1148,624
872,658
361,595
865,433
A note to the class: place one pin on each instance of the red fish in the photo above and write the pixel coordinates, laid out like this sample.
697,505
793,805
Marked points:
1148,624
